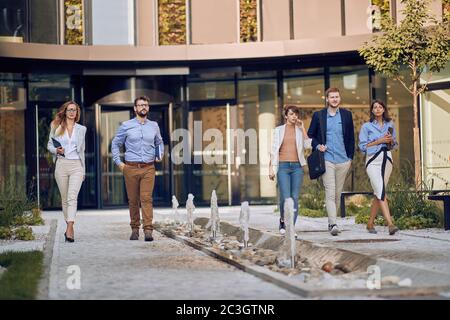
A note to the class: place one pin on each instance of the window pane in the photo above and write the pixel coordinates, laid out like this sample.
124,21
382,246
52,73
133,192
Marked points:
436,138
304,87
43,20
353,84
113,22
13,26
12,129
199,88
257,115
49,87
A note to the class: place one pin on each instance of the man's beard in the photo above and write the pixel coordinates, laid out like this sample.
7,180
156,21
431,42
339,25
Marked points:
142,113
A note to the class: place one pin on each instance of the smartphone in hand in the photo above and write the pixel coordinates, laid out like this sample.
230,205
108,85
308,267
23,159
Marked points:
391,131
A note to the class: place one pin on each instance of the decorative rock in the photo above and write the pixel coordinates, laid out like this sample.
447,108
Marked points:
327,266
342,267
390,280
405,283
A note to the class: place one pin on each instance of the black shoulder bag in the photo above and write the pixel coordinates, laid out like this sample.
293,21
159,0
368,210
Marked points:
316,160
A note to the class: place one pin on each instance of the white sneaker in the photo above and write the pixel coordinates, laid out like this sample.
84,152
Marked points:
282,231
334,230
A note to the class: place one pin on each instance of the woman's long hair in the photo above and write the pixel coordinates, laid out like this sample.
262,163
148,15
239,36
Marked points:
59,124
386,117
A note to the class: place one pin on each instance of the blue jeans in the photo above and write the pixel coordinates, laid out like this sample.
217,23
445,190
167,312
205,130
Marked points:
290,180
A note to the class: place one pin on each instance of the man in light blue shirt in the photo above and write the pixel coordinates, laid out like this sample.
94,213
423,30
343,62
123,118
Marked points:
143,146
338,144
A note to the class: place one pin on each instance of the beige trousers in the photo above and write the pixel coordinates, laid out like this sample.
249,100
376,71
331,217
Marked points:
333,181
69,177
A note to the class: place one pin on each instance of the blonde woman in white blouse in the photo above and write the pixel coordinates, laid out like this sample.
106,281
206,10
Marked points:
67,143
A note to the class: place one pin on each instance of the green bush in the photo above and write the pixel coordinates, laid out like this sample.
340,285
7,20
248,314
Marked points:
415,222
313,197
5,233
24,233
354,210
27,220
14,203
363,218
306,212
412,209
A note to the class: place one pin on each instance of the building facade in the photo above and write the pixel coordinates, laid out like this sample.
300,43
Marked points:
217,72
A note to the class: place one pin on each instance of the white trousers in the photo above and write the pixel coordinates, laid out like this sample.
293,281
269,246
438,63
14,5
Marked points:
379,169
333,181
69,177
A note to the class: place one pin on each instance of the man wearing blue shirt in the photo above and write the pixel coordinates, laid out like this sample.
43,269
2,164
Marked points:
339,148
143,144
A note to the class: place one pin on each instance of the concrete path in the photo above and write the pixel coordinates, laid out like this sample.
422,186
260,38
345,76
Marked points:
109,266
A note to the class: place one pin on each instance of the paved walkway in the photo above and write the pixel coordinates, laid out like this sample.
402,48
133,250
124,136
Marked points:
113,267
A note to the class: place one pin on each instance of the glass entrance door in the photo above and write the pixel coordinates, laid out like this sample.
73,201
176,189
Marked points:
112,184
213,166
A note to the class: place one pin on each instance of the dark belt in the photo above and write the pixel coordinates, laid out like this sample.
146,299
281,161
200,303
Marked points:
139,164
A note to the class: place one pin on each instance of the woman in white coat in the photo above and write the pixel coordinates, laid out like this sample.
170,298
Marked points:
67,144
287,159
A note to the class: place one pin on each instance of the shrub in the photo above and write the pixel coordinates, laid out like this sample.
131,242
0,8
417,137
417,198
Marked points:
412,208
27,220
363,218
5,233
14,204
306,212
24,233
353,209
313,197
415,222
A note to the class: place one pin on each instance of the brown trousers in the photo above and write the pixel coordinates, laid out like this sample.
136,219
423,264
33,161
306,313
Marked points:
139,183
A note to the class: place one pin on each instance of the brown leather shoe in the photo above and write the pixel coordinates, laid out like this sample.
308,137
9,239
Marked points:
148,235
134,234
392,229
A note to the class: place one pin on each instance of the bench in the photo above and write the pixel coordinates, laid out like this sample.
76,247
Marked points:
446,199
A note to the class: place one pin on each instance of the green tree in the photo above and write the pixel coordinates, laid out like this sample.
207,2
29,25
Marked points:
419,43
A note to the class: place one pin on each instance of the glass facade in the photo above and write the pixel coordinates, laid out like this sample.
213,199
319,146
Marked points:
115,28
228,118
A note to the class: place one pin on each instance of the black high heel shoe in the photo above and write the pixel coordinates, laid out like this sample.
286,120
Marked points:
67,239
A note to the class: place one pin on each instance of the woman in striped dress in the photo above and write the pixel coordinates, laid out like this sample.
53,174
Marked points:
376,139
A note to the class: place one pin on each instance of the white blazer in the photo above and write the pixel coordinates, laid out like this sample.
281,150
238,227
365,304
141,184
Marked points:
80,146
277,140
